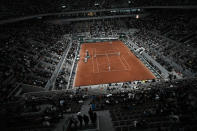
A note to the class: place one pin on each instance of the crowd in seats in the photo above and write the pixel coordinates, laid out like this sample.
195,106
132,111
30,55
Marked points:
160,48
30,52
101,28
161,105
155,70
152,44
40,111
157,106
72,51
177,25
168,36
64,75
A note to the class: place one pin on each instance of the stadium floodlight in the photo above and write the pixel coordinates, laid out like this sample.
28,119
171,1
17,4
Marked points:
113,11
96,4
63,6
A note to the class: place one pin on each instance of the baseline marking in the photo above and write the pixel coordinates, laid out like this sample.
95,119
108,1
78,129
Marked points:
111,71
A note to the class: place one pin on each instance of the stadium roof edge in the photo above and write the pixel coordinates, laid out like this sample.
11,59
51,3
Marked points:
12,20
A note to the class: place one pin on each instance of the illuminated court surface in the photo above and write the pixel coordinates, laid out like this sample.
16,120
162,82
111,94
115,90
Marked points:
109,62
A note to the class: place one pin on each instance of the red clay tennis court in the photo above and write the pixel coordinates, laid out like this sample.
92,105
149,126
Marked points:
109,62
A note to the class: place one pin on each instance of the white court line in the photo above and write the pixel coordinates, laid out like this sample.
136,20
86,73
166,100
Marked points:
123,63
93,60
126,62
129,53
107,59
116,49
121,59
112,71
96,61
76,70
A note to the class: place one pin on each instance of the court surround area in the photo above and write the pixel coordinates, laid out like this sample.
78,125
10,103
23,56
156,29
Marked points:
109,62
